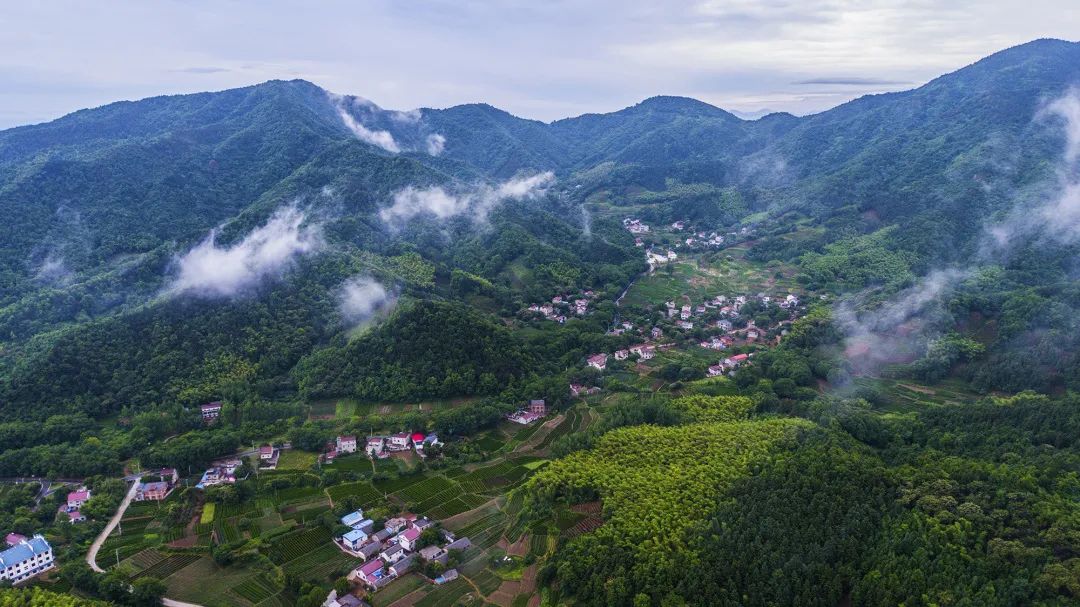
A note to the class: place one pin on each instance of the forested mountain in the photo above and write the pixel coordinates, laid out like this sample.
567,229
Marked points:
280,247
100,203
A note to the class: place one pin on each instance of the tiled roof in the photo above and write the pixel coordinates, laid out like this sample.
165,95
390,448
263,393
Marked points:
24,551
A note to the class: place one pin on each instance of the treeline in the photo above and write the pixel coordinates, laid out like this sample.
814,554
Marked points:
426,350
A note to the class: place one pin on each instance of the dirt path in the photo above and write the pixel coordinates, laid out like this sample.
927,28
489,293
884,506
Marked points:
91,555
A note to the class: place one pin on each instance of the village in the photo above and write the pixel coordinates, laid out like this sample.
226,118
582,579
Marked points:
562,306
720,322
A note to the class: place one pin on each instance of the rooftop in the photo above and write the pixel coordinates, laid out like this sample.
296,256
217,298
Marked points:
24,550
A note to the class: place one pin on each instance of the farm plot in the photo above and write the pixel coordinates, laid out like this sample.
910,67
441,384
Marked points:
297,544
255,589
425,489
397,484
351,463
168,566
486,531
145,559
226,531
445,595
322,563
363,491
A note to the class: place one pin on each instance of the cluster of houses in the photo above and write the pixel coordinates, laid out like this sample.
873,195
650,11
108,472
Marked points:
561,305
25,558
536,409
635,226
74,503
381,447
156,491
393,550
642,351
219,473
728,365
718,312
580,390
657,257
711,239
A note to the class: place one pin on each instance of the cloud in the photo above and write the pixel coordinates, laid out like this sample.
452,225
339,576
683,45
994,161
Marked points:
435,144
54,271
854,81
209,69
360,297
406,117
382,139
477,201
896,332
208,270
1058,218
1067,108
899,330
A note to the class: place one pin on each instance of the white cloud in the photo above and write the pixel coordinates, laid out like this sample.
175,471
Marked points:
478,201
1058,218
208,270
360,297
382,139
896,331
435,144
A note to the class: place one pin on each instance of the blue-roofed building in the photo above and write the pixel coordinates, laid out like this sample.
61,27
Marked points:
26,559
354,539
352,518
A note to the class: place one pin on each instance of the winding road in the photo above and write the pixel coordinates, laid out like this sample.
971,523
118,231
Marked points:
91,556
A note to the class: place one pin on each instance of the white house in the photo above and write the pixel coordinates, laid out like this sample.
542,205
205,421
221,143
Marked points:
376,446
407,539
354,539
345,444
392,554
76,499
354,518
400,441
26,559
598,361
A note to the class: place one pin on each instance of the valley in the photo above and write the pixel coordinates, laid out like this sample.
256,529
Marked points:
337,354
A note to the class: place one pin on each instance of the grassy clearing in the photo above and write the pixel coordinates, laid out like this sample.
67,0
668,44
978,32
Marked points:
207,516
294,459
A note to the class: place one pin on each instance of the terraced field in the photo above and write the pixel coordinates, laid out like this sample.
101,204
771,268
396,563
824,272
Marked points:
297,544
255,589
363,490
167,566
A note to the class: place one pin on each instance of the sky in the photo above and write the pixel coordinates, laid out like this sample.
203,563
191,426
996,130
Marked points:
537,59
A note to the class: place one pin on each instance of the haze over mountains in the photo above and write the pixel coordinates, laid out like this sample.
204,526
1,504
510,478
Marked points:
105,206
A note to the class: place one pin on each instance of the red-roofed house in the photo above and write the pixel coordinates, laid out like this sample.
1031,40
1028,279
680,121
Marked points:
14,539
154,491
376,446
399,441
417,439
538,406
598,361
76,499
346,444
371,573
734,361
407,539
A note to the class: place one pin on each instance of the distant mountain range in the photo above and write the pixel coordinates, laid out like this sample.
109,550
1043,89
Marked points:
99,204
